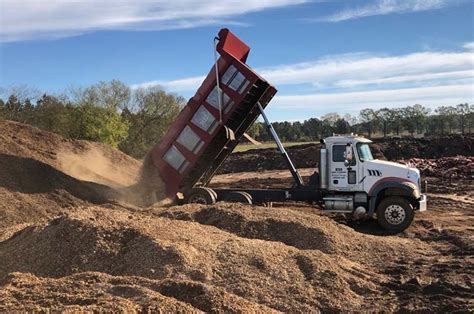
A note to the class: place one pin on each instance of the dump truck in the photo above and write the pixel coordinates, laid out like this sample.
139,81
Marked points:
349,180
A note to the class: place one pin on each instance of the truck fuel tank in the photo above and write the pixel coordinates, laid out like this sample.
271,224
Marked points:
340,203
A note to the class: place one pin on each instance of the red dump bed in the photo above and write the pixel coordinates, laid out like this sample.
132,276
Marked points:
197,142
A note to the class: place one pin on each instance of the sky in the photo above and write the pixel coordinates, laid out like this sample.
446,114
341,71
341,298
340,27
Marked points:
323,56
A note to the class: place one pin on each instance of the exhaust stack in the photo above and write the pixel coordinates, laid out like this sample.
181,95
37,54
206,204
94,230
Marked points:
323,168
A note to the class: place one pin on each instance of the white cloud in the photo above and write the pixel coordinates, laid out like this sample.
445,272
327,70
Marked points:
469,46
348,83
354,101
383,7
33,19
358,70
455,75
186,84
370,69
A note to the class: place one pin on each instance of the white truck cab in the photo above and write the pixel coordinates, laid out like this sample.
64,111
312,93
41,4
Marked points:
356,181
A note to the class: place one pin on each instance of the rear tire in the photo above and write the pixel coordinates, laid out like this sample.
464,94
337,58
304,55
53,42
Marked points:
238,197
395,214
201,196
211,191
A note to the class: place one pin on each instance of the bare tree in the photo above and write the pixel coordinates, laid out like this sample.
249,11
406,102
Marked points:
463,111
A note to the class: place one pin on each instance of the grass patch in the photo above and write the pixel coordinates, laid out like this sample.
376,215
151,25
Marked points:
247,146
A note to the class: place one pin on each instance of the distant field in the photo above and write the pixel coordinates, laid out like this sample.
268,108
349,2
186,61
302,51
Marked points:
244,147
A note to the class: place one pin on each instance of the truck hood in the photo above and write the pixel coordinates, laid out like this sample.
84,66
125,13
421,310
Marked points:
384,163
394,169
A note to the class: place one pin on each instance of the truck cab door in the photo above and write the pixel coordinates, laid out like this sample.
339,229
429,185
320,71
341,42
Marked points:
342,177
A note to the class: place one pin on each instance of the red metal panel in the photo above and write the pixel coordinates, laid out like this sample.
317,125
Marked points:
180,149
232,45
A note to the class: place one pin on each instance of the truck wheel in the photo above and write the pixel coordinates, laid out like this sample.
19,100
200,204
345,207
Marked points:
395,213
212,192
238,197
201,196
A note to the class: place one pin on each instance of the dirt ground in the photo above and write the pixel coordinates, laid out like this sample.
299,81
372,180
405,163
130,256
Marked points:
68,242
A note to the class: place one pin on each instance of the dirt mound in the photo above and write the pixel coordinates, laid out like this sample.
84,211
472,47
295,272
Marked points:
428,148
119,243
226,257
84,160
459,167
83,292
98,292
304,231
66,245
43,174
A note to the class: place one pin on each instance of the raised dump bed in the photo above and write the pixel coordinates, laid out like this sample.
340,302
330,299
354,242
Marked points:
206,131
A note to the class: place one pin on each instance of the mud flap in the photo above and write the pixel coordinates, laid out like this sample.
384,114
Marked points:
422,203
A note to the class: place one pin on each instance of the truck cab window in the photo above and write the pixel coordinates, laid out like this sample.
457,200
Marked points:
339,154
364,152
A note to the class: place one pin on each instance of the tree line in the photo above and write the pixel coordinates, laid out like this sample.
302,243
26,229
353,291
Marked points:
106,112
409,120
133,120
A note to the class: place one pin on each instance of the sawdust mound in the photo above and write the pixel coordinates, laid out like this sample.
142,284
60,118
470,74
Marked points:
207,267
67,245
43,174
304,231
88,161
99,292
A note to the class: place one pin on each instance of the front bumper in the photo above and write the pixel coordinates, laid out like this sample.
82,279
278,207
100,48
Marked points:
422,203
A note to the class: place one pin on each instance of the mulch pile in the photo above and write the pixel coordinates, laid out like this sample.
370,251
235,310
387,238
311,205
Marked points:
459,167
66,244
34,184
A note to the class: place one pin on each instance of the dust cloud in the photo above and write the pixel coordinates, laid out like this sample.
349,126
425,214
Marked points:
138,186
92,165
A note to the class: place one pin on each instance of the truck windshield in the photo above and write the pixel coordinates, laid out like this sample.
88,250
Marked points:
364,152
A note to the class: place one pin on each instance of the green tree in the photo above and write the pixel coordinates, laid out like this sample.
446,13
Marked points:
255,130
53,115
369,120
448,117
113,95
149,115
414,118
463,111
13,108
99,124
312,128
297,133
470,118
342,127
2,109
435,125
386,117
397,120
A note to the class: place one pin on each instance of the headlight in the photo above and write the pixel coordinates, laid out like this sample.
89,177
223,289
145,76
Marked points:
418,178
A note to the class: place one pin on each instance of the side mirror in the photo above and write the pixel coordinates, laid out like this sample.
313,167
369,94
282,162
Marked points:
348,155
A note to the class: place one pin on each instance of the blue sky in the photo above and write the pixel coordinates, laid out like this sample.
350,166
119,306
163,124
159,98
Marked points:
323,56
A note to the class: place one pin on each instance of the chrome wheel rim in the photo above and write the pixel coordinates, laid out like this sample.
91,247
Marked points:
395,214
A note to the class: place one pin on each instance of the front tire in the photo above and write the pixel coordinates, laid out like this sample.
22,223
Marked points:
395,213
